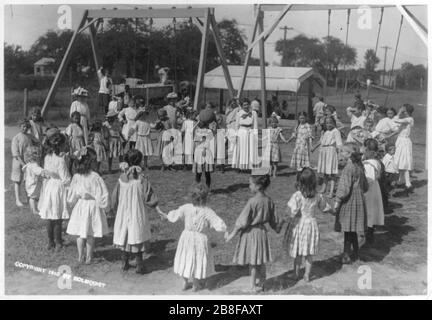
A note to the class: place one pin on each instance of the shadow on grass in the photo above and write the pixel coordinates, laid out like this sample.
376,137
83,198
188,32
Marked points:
395,230
320,269
416,184
226,275
392,206
158,258
419,183
231,188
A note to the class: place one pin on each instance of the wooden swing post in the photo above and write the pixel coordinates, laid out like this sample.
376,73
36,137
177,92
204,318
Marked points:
63,65
202,61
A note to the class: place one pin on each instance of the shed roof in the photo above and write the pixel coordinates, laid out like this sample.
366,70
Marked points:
277,78
44,62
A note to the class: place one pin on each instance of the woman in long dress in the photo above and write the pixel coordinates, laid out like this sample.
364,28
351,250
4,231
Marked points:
247,135
80,105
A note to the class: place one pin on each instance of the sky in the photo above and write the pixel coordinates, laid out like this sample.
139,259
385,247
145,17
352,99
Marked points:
24,23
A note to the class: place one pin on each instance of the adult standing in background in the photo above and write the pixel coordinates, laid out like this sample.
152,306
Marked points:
171,109
231,114
318,111
80,105
105,85
246,120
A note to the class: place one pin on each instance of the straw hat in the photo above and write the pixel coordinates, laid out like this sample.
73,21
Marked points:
80,92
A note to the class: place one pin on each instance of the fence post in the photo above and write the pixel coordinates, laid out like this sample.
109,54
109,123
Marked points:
25,101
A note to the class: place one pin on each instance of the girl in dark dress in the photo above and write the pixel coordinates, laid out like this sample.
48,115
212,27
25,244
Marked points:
350,207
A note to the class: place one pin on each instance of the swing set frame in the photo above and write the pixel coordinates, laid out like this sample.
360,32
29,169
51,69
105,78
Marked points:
263,35
204,19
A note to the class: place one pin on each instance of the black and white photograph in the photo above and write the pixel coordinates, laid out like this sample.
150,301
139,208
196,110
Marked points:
204,149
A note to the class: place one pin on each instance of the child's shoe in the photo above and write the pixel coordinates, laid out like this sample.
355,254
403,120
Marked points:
140,269
125,260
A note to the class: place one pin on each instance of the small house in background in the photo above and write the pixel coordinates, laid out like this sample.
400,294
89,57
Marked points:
44,67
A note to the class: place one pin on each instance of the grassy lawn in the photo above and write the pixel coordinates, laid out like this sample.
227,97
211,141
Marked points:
397,260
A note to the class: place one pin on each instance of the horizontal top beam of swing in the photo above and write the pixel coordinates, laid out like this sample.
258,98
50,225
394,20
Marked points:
149,13
312,7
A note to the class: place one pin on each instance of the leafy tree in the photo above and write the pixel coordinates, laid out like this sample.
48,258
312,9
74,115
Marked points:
371,61
54,44
331,53
410,76
337,54
16,62
300,51
233,41
130,47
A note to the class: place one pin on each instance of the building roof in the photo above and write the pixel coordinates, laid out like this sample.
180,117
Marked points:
44,62
277,78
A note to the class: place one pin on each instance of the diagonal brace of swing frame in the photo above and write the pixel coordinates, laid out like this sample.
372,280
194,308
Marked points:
88,25
264,35
203,58
219,48
415,24
63,65
92,19
248,56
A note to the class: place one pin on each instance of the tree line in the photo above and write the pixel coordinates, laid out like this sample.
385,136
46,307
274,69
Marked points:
133,47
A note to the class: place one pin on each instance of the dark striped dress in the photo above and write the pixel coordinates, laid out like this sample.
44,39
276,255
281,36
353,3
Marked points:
253,247
350,192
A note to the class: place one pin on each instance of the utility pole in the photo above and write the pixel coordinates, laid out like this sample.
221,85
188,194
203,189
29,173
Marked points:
285,29
386,48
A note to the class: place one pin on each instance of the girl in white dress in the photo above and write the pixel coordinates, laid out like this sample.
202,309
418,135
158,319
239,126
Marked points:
404,157
88,195
193,259
32,175
143,140
75,133
98,143
247,135
302,235
127,116
131,197
330,143
373,197
52,202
